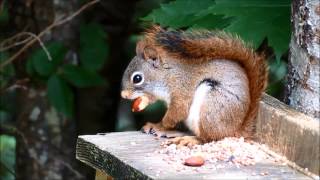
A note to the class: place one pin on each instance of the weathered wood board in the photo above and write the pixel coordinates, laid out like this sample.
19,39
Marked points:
124,156
289,133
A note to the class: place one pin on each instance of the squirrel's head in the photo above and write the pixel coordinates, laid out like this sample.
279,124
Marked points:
146,75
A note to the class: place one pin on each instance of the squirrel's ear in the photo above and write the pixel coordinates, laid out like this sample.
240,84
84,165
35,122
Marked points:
151,54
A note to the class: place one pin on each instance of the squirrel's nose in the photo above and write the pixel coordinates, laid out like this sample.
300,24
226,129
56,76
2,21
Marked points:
125,94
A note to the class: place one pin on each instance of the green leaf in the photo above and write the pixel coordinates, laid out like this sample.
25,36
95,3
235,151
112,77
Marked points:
177,12
254,20
211,21
187,13
60,95
7,157
81,77
29,67
40,62
93,46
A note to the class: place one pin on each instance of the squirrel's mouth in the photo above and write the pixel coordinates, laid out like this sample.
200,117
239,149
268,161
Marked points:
140,103
140,100
129,94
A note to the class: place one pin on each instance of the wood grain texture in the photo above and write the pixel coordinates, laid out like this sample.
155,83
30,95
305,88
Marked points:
102,176
290,133
125,156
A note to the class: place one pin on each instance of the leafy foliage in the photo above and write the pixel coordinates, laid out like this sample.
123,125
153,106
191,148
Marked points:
81,77
60,95
254,20
40,63
93,49
61,76
251,19
187,13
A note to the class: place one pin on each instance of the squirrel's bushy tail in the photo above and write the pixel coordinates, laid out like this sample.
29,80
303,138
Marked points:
197,46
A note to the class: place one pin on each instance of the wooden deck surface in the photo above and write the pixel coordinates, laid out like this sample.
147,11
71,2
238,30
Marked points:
131,155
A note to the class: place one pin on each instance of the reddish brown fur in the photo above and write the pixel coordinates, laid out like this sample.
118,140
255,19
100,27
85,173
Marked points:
213,46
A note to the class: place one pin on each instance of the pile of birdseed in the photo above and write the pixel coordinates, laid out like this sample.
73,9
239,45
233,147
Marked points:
217,155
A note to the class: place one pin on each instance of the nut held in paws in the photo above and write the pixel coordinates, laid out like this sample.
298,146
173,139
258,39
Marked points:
194,161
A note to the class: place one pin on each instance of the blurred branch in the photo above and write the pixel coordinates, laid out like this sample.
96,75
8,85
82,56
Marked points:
18,84
47,29
4,48
1,5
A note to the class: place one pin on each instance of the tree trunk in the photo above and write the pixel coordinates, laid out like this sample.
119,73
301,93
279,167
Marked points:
303,87
46,141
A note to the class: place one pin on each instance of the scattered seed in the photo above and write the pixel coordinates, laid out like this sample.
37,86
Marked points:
217,154
194,161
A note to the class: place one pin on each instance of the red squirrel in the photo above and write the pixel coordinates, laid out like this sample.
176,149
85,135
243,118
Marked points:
210,80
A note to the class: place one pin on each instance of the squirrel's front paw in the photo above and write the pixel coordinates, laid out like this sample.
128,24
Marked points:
184,141
154,128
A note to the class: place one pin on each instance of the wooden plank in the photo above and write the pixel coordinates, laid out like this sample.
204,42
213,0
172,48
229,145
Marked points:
102,176
125,156
289,133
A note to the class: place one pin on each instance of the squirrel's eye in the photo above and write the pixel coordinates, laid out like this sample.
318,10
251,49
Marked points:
137,78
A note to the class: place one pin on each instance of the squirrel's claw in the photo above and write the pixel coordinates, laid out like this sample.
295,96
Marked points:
154,129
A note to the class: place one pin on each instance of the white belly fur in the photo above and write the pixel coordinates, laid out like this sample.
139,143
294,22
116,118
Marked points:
193,118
